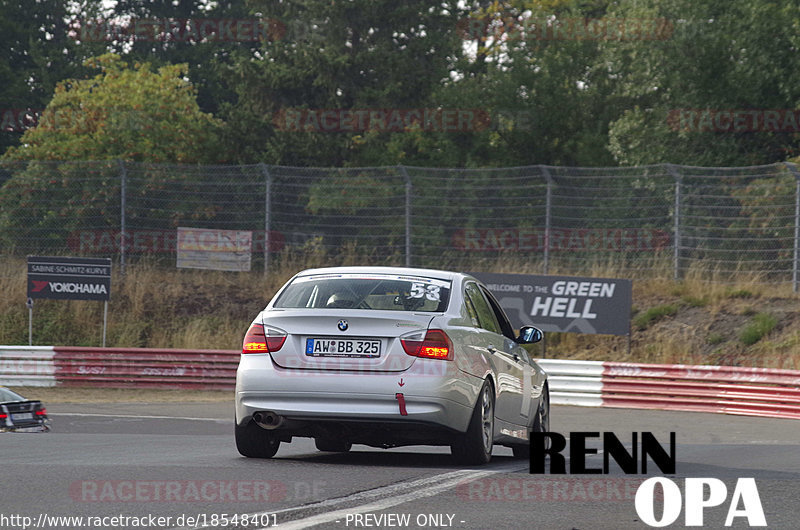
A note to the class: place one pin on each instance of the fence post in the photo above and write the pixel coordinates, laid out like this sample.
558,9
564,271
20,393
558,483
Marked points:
267,212
676,230
407,178
123,236
795,261
548,210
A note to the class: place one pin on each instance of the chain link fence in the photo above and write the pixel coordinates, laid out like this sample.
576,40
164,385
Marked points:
660,220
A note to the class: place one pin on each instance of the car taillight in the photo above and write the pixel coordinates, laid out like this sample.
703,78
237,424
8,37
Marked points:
263,340
3,416
41,412
434,345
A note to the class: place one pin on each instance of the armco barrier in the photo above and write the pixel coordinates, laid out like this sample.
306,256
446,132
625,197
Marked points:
721,389
27,366
118,367
146,367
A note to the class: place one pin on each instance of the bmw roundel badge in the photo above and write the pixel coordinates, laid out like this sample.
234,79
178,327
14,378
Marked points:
342,325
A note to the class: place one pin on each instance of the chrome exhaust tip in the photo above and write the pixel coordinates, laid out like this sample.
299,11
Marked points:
267,420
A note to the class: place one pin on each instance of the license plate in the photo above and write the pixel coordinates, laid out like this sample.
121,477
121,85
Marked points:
343,347
22,416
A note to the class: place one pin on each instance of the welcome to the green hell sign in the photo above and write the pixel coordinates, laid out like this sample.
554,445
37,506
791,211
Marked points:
563,303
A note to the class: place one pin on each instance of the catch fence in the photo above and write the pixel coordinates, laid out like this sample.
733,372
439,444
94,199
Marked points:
644,221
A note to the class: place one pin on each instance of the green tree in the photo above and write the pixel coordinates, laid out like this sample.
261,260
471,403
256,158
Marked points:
542,100
362,54
127,113
132,114
207,52
38,52
720,56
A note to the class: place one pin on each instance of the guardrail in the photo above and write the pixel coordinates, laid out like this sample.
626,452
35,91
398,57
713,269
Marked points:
118,367
146,367
720,389
27,366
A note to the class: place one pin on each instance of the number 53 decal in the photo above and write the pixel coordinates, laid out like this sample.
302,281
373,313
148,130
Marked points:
431,292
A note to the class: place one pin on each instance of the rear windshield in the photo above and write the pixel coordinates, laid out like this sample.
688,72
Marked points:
8,395
360,291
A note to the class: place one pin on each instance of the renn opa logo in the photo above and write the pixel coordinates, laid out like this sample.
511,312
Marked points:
699,493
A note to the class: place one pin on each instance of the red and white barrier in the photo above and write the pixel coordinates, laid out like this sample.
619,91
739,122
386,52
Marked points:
721,389
27,366
118,367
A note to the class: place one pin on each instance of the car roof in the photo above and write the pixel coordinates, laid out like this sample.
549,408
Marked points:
429,273
11,393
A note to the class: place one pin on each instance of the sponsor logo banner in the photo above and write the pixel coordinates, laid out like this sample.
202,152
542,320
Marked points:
65,278
222,250
599,306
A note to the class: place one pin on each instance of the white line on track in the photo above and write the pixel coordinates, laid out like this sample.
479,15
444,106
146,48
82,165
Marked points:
375,506
134,416
389,496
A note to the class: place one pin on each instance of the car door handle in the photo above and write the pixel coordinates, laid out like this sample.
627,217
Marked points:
492,350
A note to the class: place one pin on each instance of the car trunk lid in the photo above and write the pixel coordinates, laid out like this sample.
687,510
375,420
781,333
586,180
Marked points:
344,339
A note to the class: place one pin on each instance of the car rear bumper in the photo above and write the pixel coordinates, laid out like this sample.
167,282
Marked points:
26,427
433,392
354,407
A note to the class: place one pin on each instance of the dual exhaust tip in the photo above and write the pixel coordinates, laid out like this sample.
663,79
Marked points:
267,420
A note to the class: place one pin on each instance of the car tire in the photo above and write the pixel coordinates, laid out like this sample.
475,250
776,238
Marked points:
541,423
254,442
475,446
332,446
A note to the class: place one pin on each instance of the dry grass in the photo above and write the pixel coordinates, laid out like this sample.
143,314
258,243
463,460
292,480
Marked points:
159,306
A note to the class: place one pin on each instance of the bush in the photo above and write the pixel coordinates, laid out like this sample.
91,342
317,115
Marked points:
758,328
654,314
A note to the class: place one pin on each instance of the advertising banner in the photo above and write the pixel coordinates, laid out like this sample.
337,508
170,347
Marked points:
66,278
222,250
600,306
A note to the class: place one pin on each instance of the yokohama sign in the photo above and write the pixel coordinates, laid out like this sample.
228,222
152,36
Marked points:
561,239
63,278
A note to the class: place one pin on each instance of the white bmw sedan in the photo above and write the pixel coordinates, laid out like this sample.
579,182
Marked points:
388,357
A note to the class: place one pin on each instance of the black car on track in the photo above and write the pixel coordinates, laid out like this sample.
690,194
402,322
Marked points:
18,414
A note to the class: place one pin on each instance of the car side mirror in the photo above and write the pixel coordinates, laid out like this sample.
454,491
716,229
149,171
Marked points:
529,335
